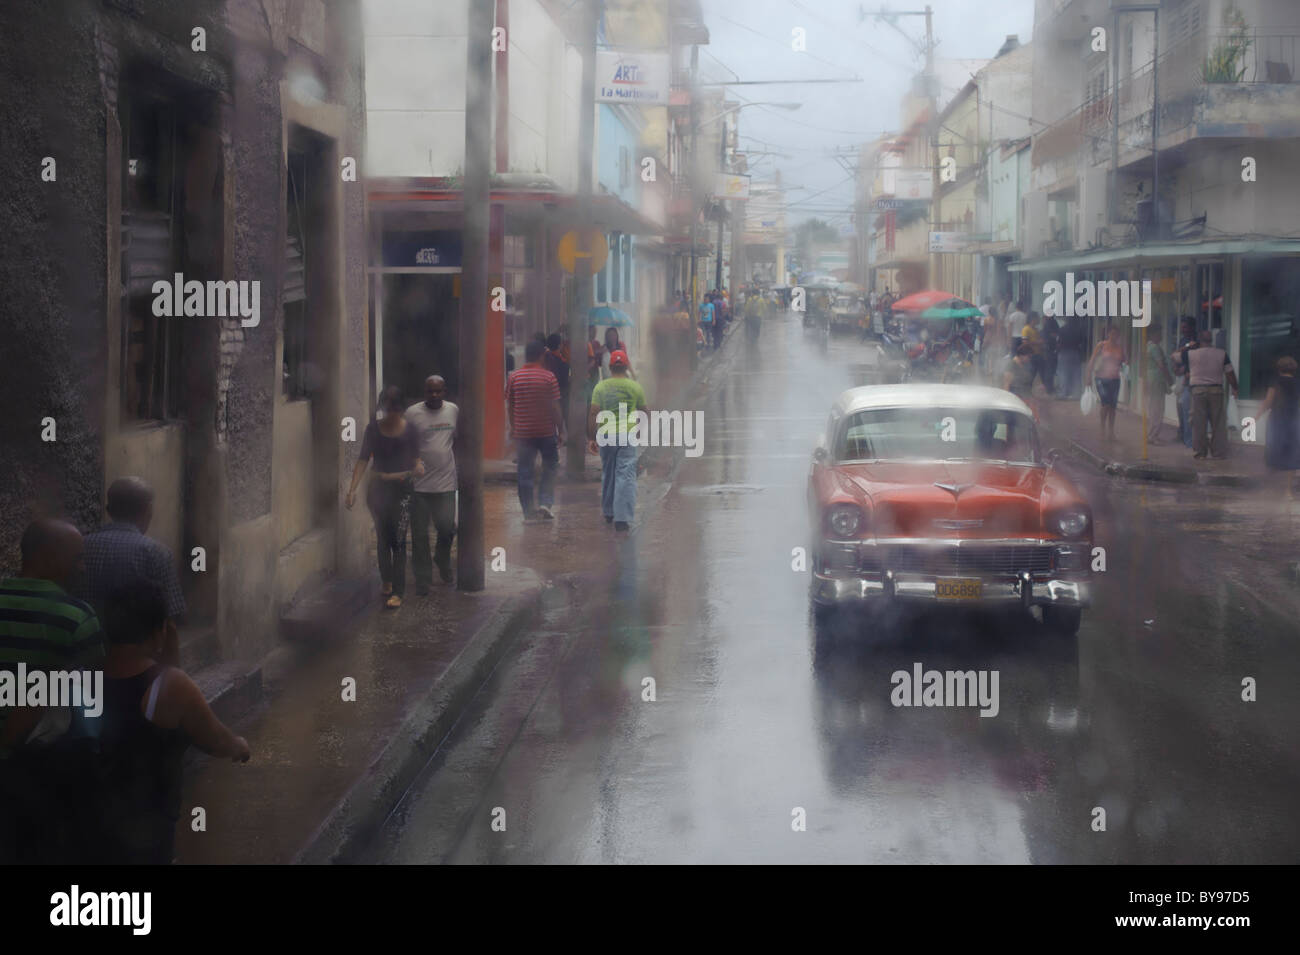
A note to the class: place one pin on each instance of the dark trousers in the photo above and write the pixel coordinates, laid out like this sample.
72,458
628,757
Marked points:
49,806
717,329
1209,407
441,506
385,499
527,450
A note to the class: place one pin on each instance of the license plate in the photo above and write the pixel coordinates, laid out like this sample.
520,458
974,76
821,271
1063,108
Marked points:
958,588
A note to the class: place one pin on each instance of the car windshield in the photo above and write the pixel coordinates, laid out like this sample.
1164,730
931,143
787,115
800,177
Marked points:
938,434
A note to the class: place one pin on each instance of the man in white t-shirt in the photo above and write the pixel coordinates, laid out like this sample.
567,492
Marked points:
1015,324
434,420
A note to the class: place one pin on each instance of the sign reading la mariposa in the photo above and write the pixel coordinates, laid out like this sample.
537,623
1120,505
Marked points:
634,78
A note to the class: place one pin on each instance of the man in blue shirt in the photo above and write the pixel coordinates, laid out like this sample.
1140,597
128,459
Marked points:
707,320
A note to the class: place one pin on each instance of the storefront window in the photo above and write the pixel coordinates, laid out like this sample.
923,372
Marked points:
1209,296
1270,320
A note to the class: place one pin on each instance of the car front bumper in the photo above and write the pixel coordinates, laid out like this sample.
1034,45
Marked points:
1038,582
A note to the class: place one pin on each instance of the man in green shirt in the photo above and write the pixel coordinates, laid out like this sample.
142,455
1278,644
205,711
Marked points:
621,397
44,799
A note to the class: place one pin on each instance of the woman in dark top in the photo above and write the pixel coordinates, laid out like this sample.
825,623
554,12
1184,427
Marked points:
1282,452
152,714
395,449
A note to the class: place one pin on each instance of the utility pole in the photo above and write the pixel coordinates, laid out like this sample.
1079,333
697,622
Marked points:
932,82
470,567
576,464
722,206
691,171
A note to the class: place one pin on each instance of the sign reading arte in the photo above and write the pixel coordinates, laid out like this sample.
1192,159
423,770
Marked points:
634,78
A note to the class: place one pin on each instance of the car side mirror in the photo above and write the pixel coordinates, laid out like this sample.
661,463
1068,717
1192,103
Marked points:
1052,457
821,455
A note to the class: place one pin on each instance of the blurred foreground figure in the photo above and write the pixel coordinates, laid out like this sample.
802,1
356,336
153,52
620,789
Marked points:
153,712
120,550
46,754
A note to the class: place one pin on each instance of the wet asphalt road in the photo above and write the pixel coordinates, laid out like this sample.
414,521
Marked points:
759,714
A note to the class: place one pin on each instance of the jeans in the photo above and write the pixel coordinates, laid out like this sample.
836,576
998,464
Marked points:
441,506
1185,416
1070,367
386,499
526,451
1209,406
618,482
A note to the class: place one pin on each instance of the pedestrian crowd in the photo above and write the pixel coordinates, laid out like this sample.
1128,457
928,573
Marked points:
1018,348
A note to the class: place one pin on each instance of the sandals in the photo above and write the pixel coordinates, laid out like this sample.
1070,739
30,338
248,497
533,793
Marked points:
393,602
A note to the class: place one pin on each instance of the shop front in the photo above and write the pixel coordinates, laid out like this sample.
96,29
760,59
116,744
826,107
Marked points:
1235,289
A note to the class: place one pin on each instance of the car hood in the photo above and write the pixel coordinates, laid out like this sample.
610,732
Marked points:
977,499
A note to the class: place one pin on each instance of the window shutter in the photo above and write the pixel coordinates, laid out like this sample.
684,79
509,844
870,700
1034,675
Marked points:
146,251
295,273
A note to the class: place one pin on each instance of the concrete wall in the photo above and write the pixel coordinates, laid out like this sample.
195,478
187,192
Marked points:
415,90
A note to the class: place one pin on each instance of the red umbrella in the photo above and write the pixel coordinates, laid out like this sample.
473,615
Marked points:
932,298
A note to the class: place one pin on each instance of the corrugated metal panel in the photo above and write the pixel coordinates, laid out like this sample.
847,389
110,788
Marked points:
146,250
295,274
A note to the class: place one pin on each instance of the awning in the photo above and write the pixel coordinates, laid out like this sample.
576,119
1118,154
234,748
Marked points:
523,194
1157,252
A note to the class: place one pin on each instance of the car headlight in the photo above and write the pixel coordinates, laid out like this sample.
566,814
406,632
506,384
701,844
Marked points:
844,519
1072,523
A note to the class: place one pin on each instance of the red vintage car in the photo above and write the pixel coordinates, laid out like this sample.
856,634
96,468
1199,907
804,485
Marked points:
940,494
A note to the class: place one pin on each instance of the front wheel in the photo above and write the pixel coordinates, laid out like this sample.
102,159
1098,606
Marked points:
1063,621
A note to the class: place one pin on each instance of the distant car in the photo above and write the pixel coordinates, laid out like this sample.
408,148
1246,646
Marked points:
940,494
846,312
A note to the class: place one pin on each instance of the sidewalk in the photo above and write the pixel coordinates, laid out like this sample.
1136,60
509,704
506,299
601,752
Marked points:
325,773
1066,427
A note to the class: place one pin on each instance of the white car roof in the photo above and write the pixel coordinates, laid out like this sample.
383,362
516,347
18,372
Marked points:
928,396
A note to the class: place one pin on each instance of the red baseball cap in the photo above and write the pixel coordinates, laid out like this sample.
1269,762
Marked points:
618,359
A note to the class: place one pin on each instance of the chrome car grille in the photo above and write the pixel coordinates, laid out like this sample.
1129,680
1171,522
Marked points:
954,561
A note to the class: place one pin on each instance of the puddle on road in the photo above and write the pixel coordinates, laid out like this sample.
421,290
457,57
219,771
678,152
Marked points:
710,489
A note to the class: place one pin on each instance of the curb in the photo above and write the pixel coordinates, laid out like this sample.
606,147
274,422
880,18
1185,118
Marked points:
1155,472
357,817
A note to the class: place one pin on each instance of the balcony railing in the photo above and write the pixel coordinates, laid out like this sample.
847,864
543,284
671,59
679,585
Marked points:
1252,57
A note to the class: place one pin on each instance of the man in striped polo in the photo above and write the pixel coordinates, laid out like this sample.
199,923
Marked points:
46,629
537,425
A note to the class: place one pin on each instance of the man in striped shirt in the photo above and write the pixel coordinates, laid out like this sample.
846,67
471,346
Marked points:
536,418
42,789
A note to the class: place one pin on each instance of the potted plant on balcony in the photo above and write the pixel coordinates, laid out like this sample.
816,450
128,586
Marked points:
1225,62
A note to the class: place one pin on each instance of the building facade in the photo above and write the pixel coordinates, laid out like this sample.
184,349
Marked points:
164,133
1161,159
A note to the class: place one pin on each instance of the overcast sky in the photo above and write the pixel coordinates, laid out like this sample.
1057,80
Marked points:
751,40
